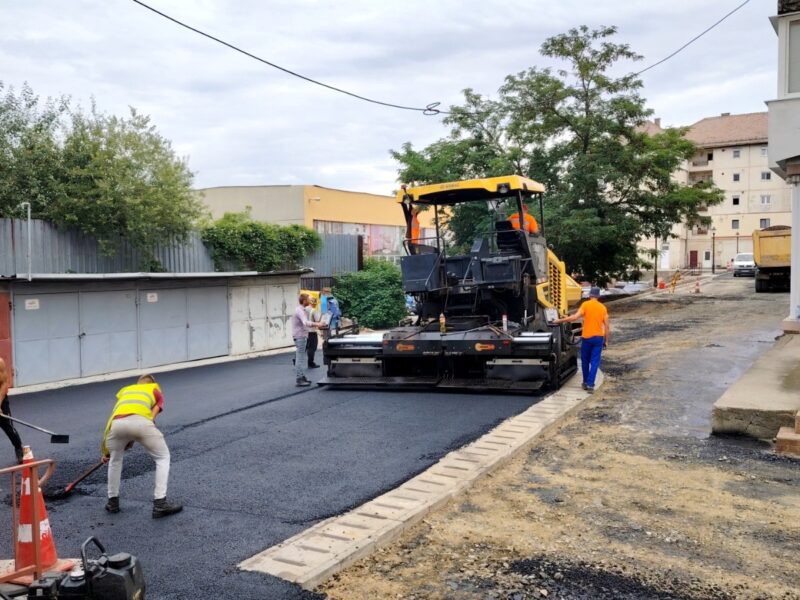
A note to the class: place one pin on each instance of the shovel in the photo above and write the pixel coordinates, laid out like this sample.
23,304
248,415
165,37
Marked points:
55,438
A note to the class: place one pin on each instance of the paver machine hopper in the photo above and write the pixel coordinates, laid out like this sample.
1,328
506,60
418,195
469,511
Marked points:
483,317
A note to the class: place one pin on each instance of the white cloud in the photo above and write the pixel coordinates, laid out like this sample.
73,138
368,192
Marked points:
241,122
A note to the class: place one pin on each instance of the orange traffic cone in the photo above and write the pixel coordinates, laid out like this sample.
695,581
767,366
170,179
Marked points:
24,553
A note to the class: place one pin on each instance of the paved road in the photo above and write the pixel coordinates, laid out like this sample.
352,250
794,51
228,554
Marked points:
254,459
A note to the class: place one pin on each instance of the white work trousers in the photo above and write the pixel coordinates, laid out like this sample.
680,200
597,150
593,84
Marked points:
135,428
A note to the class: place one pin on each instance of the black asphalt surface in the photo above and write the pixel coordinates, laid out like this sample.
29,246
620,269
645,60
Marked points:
255,460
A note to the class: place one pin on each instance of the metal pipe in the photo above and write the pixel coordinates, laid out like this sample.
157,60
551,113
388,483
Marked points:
27,205
541,214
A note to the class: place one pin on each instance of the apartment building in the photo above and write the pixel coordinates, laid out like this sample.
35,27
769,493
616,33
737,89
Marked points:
732,152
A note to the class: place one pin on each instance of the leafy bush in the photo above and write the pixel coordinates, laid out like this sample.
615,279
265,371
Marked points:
109,177
237,241
374,296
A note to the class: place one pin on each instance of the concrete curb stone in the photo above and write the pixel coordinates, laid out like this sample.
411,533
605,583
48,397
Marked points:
313,555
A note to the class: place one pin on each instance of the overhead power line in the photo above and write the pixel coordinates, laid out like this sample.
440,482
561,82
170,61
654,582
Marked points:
693,40
430,109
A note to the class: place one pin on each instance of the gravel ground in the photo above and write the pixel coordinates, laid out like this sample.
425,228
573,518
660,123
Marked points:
631,498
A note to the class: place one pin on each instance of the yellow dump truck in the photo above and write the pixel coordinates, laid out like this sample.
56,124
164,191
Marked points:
772,253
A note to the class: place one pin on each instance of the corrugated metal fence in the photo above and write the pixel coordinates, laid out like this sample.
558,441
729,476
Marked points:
56,250
340,253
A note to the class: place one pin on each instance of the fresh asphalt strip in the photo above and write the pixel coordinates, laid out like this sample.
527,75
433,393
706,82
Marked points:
281,460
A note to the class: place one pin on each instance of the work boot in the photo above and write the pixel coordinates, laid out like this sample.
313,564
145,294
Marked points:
162,508
313,366
590,389
584,386
303,382
112,505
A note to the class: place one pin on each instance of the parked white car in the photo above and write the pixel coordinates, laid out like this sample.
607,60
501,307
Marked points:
744,264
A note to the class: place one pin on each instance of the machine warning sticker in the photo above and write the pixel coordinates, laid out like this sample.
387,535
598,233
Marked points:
482,347
404,347
152,297
32,304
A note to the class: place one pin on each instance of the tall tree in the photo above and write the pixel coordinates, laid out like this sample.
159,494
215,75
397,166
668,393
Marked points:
578,130
110,177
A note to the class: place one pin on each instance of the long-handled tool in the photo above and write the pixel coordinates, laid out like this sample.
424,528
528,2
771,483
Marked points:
55,438
58,495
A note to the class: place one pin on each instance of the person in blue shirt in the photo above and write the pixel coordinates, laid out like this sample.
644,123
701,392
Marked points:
331,305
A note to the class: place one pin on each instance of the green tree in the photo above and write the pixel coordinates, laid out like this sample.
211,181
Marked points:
374,295
110,177
578,130
237,241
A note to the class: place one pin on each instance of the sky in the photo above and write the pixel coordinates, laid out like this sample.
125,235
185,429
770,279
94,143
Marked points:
239,122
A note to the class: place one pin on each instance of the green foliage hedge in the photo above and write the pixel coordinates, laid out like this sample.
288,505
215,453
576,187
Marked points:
237,241
374,296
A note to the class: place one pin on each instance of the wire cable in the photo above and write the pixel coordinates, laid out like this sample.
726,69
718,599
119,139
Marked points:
693,40
429,109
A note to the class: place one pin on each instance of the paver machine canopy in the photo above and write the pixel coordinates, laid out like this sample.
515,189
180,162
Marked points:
483,315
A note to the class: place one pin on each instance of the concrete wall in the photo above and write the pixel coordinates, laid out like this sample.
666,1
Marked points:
280,204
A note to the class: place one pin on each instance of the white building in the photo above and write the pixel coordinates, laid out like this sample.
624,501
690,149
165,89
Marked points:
733,154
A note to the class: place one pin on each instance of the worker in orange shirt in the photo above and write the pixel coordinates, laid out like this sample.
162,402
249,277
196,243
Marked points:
414,237
596,331
531,226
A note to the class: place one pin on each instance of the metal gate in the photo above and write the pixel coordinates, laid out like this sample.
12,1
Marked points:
66,335
46,342
183,324
261,316
108,336
207,317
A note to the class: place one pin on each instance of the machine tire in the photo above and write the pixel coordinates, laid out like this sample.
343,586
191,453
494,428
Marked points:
760,287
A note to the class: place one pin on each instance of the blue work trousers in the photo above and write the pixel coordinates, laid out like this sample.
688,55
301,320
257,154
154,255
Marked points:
590,358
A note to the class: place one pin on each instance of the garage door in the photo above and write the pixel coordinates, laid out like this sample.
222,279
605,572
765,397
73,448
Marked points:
46,342
248,319
207,313
108,332
162,319
281,301
183,324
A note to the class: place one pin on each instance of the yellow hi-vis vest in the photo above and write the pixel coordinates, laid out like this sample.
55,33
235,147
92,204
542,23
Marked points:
138,399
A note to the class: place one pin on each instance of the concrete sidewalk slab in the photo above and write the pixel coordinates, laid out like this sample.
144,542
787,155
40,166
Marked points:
766,397
315,554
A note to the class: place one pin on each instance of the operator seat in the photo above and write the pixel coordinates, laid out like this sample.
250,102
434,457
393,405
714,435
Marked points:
510,239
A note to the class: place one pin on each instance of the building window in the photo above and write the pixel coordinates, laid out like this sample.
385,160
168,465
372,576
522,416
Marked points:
793,57
737,153
766,175
708,255
734,223
763,223
736,177
766,199
710,156
763,150
736,200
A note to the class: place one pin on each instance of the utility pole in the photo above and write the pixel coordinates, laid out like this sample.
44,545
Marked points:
784,143
713,250
29,256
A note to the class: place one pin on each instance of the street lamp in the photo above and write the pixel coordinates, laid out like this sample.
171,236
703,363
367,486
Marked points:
713,249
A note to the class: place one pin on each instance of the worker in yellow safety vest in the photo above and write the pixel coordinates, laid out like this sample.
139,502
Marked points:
133,420
531,226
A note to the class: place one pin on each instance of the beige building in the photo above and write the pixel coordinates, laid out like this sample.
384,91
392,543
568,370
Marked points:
379,219
733,154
